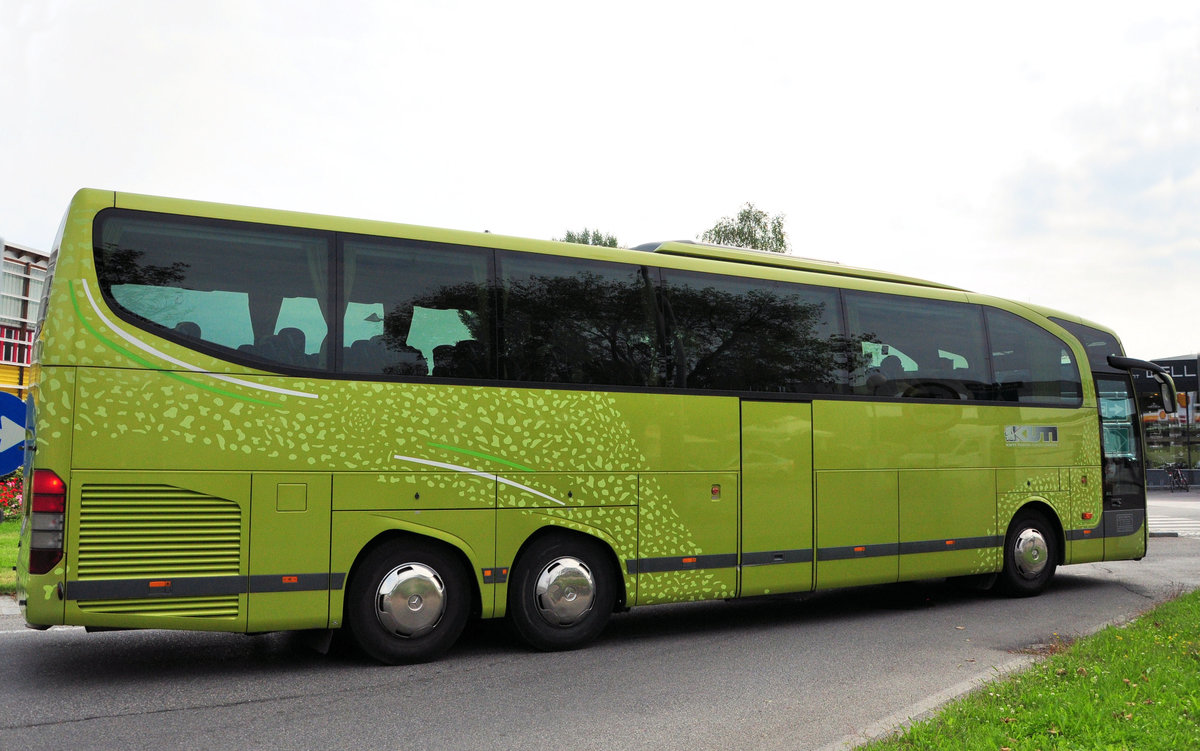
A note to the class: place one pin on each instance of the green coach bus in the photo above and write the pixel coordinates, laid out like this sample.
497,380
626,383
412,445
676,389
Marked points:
251,420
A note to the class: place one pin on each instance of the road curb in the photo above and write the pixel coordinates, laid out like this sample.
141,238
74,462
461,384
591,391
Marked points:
930,705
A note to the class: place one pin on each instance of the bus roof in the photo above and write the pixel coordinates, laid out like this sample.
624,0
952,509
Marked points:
1055,313
678,248
780,260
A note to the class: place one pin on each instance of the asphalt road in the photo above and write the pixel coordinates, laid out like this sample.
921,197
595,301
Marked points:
1174,513
821,671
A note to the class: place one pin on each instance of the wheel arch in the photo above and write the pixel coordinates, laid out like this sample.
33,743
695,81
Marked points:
1043,507
552,530
400,535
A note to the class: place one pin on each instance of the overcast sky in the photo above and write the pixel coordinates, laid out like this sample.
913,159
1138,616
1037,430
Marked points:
1043,151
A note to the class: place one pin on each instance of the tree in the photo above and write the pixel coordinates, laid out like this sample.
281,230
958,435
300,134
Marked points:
590,237
752,228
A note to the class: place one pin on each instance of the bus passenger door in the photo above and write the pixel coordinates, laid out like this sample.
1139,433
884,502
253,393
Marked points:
777,498
289,551
1124,519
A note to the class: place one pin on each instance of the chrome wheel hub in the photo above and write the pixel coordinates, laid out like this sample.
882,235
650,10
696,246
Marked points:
565,591
411,600
1030,553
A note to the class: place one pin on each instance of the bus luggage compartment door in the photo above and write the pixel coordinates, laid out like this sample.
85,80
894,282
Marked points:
289,551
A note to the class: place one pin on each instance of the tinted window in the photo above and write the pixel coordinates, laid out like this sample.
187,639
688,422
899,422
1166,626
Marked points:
750,334
1032,365
415,309
253,290
1098,344
1124,480
915,348
567,320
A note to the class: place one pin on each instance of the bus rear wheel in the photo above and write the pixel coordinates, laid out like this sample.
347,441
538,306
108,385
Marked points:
562,593
408,602
1030,555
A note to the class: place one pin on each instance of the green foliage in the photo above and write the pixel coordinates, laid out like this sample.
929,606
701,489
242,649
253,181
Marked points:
751,228
1133,687
9,531
590,237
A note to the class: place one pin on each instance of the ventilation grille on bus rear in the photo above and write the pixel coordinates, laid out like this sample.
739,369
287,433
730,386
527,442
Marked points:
180,607
158,531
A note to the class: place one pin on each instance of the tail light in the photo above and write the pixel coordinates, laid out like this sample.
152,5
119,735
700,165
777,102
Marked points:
47,521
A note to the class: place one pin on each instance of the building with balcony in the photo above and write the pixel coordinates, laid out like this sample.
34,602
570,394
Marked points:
24,274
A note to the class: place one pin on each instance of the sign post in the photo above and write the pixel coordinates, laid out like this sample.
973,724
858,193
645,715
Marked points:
12,433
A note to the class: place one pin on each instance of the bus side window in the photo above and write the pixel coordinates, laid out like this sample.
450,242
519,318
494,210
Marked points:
570,320
917,348
1031,364
751,335
407,301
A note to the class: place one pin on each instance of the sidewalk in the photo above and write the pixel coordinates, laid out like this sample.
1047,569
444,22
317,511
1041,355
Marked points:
10,615
1162,494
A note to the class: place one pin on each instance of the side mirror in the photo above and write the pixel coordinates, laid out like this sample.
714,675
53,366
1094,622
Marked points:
1166,384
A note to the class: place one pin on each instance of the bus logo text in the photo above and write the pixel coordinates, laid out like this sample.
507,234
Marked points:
1015,435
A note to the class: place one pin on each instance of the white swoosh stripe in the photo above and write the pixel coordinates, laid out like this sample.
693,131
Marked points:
187,366
479,473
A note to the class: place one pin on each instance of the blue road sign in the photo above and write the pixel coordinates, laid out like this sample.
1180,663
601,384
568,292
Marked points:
12,432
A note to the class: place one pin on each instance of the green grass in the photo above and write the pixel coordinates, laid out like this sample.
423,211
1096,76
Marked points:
1131,687
8,555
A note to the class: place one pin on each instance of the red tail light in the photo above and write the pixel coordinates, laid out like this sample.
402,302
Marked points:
47,521
49,492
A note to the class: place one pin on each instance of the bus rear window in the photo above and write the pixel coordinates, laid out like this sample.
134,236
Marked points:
253,290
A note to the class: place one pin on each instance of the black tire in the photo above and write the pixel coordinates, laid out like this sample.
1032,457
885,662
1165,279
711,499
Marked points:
561,593
1031,554
408,601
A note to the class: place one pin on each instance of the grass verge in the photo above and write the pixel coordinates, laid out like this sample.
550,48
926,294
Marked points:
1130,687
9,531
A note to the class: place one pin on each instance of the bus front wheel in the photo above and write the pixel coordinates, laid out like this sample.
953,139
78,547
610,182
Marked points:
1030,555
408,602
562,593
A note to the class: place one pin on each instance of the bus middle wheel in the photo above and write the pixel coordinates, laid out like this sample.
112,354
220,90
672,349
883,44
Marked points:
562,593
408,602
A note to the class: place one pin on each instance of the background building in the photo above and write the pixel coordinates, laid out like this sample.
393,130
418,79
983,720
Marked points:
1172,430
23,275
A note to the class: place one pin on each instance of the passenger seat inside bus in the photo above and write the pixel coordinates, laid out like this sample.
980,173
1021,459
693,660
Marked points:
467,359
374,355
189,329
887,381
285,347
